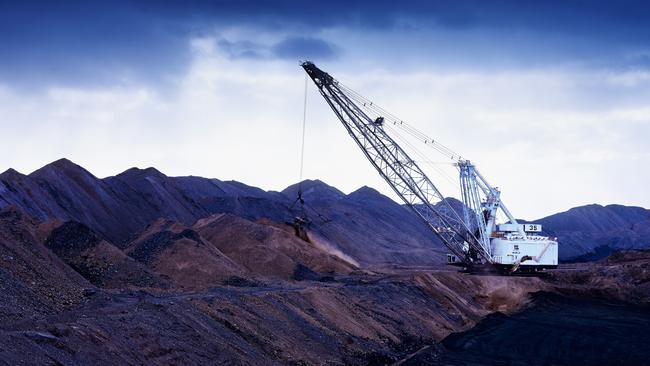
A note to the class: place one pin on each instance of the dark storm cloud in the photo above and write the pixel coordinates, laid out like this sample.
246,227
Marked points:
623,17
44,42
304,48
85,42
293,48
242,49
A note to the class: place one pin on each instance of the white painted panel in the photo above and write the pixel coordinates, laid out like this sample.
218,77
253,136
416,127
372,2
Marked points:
530,228
533,228
509,252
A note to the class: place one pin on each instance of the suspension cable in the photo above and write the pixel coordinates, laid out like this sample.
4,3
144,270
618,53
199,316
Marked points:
422,155
302,145
388,117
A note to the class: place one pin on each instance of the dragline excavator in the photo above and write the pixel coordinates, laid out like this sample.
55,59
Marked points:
470,231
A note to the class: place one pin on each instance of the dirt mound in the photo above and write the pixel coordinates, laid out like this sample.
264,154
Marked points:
355,319
369,227
71,238
266,250
365,320
624,275
182,255
33,280
98,261
153,245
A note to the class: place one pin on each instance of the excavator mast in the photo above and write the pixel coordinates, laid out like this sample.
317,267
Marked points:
401,172
467,230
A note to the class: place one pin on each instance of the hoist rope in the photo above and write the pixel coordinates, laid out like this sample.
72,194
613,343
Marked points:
391,122
423,156
398,123
299,199
304,124
302,147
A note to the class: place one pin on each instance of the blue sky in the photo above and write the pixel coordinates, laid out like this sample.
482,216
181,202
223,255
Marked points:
551,99
81,42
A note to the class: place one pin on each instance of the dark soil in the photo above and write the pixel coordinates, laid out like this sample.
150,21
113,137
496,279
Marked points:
556,330
151,247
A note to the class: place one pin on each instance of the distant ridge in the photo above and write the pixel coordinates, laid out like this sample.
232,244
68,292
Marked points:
365,225
119,208
595,231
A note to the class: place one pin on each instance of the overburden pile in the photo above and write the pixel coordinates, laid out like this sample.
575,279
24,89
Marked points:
142,268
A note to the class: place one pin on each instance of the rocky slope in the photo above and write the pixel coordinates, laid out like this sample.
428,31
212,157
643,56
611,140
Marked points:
122,206
70,297
362,319
367,226
228,289
179,254
624,276
592,232
355,320
98,261
267,250
33,280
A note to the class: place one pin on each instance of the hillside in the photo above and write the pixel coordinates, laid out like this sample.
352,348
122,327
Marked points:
120,207
33,279
142,268
594,231
98,261
368,228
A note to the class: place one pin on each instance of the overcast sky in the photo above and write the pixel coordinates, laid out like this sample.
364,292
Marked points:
551,100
